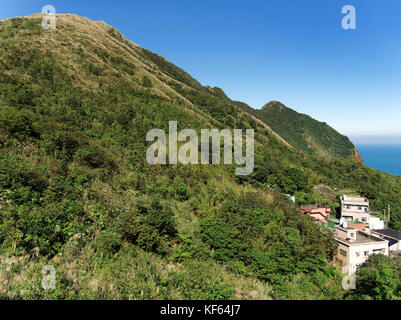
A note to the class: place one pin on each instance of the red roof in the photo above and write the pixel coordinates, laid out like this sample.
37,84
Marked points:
358,226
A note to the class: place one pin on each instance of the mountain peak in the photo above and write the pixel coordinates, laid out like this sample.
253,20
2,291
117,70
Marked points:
274,104
304,132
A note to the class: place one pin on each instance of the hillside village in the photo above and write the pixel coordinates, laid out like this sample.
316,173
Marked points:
358,233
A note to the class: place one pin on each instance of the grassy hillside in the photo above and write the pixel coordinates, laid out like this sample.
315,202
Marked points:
302,131
77,193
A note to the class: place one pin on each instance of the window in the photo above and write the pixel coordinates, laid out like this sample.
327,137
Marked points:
348,207
357,254
343,252
366,253
364,219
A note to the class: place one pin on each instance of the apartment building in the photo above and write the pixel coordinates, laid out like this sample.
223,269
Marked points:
355,247
354,209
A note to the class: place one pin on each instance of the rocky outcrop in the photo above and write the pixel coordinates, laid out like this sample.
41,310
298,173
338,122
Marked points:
357,156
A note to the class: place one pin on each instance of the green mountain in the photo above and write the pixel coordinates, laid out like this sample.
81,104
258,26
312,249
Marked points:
305,133
77,193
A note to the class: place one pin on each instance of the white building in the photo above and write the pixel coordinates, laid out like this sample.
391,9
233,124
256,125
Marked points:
376,223
392,236
354,209
355,247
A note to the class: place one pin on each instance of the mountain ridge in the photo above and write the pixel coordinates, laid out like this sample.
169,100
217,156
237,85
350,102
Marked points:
302,131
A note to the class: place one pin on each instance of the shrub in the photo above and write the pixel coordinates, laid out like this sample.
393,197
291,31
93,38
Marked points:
146,82
109,242
378,278
16,123
95,157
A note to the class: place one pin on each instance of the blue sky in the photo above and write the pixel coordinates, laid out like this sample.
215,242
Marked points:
256,51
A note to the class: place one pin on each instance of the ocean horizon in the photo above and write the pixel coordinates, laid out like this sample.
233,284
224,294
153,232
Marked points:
383,157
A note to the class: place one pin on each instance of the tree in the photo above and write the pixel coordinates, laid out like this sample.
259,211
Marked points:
377,279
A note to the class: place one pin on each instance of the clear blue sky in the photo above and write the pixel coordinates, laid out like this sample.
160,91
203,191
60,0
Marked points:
294,51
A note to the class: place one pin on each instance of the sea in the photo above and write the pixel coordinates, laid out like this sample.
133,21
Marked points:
385,158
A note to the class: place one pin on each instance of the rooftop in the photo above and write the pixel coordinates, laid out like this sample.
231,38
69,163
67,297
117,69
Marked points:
358,226
390,233
354,222
346,198
313,206
360,237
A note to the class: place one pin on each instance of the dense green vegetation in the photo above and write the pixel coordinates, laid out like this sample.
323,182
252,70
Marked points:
379,278
77,193
305,133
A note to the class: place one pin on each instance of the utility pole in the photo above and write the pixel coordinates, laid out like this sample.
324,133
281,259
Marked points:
389,210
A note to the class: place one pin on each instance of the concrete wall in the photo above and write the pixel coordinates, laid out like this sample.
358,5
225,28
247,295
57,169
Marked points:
357,253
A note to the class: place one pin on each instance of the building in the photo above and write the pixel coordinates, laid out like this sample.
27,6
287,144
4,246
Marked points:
376,223
392,236
320,213
355,247
354,209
